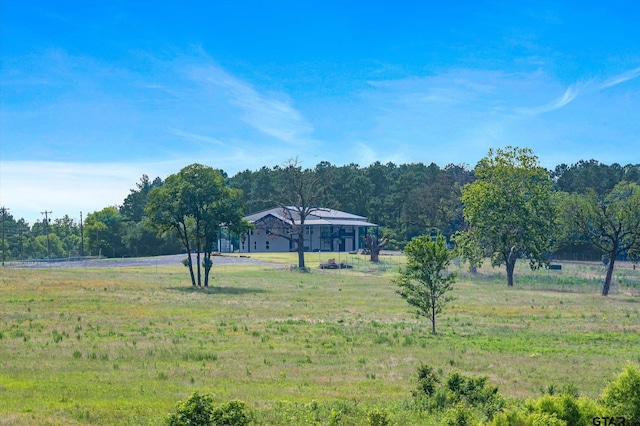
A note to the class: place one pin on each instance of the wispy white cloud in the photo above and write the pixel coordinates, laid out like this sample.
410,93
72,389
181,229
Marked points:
568,96
621,78
581,88
272,116
196,137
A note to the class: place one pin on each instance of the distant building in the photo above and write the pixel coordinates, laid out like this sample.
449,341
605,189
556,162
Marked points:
324,230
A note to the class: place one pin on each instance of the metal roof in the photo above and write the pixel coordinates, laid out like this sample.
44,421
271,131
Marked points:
320,216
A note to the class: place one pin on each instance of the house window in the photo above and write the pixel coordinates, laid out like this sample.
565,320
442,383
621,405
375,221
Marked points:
267,245
255,245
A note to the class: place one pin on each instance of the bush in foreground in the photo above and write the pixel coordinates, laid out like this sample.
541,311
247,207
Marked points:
458,400
198,410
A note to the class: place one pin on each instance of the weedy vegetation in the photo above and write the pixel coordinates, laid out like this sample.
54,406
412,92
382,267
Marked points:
127,345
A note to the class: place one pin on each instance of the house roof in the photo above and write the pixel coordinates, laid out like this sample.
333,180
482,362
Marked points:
317,217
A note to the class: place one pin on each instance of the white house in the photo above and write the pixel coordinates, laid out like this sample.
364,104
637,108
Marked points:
324,230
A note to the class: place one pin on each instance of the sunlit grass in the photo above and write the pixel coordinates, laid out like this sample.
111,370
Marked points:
111,346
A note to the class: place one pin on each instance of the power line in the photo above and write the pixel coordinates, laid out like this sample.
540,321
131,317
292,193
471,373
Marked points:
4,211
81,238
46,225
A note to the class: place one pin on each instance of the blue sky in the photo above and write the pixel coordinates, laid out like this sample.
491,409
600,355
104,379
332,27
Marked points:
96,93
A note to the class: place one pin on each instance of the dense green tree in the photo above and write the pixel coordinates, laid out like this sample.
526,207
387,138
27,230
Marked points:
588,175
49,248
509,210
425,282
355,190
68,231
611,223
16,232
433,204
258,187
132,209
103,231
469,250
227,209
140,239
194,203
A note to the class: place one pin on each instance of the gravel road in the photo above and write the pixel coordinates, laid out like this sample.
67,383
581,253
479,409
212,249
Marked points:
172,260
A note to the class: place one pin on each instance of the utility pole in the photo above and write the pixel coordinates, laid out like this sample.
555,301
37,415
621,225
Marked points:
4,214
81,238
46,224
20,230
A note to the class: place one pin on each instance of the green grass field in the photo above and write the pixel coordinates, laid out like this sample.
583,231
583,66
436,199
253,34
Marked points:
123,346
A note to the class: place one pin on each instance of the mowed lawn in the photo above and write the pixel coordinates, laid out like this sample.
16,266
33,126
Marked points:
123,346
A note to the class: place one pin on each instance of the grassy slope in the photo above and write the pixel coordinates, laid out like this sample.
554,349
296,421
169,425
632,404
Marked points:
110,346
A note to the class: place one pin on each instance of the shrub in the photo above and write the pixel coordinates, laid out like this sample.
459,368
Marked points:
194,411
459,415
473,392
622,396
564,407
519,418
544,419
378,417
427,381
233,413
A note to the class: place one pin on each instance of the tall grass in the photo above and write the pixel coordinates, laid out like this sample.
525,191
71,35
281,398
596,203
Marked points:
122,346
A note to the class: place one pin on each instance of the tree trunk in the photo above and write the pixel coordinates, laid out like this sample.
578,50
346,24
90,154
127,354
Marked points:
190,262
511,265
199,274
198,251
374,246
184,235
433,317
207,268
301,249
607,281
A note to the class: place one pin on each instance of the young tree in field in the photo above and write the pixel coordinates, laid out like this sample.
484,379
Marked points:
509,209
425,282
610,223
195,202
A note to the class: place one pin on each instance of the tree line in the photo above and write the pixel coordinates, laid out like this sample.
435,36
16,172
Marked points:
406,200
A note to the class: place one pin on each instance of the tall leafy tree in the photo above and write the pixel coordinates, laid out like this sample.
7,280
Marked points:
194,203
132,209
425,282
611,223
68,231
509,210
16,234
103,230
